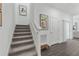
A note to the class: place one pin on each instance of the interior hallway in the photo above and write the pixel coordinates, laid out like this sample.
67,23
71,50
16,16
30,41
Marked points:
69,48
58,27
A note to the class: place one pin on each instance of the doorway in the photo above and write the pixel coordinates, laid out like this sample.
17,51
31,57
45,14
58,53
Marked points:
66,30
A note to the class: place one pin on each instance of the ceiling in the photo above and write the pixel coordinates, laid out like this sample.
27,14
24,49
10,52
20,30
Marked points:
71,8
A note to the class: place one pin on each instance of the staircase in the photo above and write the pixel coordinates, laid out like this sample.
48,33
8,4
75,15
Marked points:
22,42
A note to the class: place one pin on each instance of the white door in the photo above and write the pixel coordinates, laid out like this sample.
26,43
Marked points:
66,30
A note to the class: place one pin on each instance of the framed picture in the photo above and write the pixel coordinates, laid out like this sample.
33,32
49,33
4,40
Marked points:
75,26
23,10
43,21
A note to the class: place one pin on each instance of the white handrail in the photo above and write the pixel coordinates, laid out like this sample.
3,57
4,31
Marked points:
35,27
35,32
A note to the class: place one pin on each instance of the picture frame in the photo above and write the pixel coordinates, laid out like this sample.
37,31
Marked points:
75,26
44,21
22,10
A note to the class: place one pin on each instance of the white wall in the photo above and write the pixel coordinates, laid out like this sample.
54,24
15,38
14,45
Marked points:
0,33
55,32
22,20
7,29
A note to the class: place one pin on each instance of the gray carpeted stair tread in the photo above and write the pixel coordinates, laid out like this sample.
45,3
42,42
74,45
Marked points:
31,52
21,32
20,48
21,29
24,36
21,25
20,42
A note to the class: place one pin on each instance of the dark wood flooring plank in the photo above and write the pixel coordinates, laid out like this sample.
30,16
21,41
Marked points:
69,48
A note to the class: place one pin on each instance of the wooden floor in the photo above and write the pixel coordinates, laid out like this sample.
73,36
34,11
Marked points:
69,48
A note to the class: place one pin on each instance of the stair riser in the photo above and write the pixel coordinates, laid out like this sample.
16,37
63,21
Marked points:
18,52
22,34
19,39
